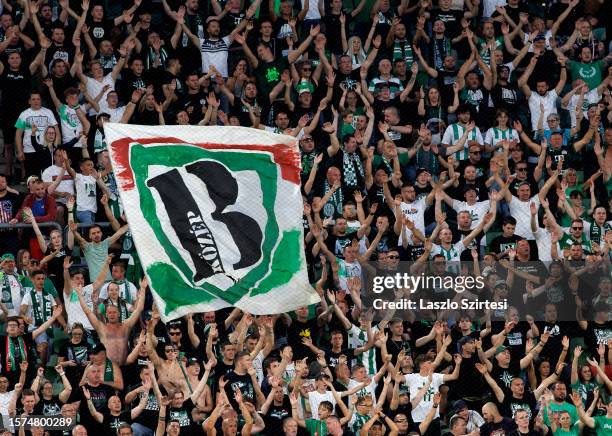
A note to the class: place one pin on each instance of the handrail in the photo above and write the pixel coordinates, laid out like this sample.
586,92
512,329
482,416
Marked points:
53,224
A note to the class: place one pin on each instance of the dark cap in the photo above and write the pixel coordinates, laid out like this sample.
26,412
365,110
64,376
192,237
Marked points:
98,348
501,284
539,38
192,361
421,171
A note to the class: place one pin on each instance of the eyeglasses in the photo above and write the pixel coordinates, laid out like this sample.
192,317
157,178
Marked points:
577,228
307,139
175,333
393,257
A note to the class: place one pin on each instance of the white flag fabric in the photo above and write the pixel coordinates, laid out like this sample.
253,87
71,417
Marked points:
215,214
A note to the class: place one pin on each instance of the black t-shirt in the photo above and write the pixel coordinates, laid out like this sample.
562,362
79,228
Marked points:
148,417
333,357
452,20
64,52
111,423
183,416
242,382
99,396
502,243
332,31
192,103
299,330
23,351
15,87
506,97
100,30
596,334
510,404
467,371
275,416
503,376
50,407
502,428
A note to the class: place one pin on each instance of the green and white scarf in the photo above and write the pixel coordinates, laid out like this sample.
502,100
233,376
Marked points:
308,161
333,206
403,50
41,307
14,356
597,232
352,169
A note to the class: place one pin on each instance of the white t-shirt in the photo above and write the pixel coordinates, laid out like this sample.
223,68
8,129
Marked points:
94,88
454,132
494,136
358,338
42,118
124,289
415,211
11,298
86,193
477,210
315,398
415,382
116,114
215,52
27,301
313,10
368,390
544,243
590,97
453,254
550,106
521,212
489,7
66,185
71,125
74,310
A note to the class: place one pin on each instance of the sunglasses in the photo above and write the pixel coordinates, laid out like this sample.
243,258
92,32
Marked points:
175,333
307,139
393,257
171,350
521,169
577,228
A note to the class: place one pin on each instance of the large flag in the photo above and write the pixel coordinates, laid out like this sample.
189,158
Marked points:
216,216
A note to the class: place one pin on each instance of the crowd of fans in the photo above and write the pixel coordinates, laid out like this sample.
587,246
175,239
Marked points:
469,137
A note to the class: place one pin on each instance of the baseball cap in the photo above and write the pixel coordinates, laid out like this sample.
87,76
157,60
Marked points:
7,256
539,38
500,349
98,348
501,283
421,171
192,361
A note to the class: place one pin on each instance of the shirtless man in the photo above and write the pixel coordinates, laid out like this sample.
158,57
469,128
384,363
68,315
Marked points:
113,333
205,403
111,373
169,371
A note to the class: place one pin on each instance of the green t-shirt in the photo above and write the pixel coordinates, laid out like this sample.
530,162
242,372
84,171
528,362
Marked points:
316,426
567,407
95,255
590,73
603,425
379,162
573,431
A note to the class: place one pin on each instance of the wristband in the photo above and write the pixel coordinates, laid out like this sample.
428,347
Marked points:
61,374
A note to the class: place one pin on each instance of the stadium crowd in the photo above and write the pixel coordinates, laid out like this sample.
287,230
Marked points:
469,137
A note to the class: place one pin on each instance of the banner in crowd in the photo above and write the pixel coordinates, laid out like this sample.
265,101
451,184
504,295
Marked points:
216,216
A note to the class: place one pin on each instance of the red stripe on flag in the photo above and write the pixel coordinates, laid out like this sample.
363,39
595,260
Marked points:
284,155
